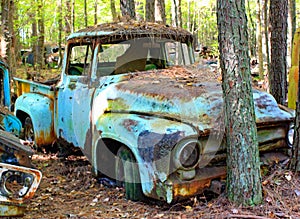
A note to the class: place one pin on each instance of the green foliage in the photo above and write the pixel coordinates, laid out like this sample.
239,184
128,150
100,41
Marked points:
201,17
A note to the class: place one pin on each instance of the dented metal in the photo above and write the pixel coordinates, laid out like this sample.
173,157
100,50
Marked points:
159,113
18,180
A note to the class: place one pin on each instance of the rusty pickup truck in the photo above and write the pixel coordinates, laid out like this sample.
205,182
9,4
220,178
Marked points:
130,96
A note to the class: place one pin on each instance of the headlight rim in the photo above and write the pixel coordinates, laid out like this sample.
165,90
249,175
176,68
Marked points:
290,140
178,149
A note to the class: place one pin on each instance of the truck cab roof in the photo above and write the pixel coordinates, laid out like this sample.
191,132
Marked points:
119,31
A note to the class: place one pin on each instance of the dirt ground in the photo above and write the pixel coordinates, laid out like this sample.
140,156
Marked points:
68,190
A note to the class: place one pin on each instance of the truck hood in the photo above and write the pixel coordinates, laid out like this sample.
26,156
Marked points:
186,95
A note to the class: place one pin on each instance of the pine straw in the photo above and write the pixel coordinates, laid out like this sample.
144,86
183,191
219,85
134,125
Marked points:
126,28
69,189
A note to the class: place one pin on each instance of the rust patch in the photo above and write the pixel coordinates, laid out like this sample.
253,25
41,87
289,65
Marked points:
182,189
129,124
176,82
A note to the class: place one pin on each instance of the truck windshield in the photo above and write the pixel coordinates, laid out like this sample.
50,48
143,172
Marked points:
80,57
140,55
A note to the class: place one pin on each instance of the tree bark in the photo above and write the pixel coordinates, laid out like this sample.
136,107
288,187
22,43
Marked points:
113,10
73,16
174,11
295,161
95,12
150,10
85,13
128,8
266,35
243,169
259,41
292,13
160,12
41,36
252,35
278,66
34,37
68,17
8,34
59,4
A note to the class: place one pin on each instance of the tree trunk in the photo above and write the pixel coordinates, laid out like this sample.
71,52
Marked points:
252,37
174,11
41,36
278,67
243,169
68,17
34,37
7,21
291,28
266,35
295,161
95,13
85,14
259,41
160,12
292,13
128,8
73,16
179,13
113,10
59,5
150,10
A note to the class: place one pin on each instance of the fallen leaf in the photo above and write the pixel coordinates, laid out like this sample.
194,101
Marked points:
266,182
235,211
288,177
188,208
159,215
268,199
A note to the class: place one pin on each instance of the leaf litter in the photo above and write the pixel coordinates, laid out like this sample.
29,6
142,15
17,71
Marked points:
69,190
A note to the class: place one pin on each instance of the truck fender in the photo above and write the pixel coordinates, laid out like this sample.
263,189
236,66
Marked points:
144,136
40,109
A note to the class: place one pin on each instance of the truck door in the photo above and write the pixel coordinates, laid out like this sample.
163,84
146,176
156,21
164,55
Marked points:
74,95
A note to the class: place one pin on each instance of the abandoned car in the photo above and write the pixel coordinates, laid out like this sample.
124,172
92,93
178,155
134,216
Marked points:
19,180
131,97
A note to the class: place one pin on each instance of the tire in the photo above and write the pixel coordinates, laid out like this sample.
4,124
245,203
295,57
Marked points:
127,175
28,130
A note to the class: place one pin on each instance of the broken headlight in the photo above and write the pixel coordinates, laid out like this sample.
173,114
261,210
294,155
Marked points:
187,154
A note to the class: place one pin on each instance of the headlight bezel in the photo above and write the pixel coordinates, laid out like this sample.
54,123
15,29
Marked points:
184,149
290,136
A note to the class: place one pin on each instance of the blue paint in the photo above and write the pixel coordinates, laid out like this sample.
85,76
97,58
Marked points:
6,84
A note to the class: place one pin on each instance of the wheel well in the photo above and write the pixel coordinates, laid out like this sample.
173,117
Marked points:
106,153
22,116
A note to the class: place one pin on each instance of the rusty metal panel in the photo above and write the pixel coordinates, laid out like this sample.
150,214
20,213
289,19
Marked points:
17,185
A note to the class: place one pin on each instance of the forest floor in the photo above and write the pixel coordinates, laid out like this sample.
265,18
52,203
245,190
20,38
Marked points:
69,190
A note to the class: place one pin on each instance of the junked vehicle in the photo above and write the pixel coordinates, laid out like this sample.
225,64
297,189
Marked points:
131,98
18,178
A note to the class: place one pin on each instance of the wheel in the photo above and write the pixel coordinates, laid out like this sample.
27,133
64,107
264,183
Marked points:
28,130
127,175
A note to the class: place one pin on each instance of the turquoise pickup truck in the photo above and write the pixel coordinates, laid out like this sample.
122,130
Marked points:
132,99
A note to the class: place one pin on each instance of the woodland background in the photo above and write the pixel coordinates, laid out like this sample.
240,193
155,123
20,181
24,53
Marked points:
32,24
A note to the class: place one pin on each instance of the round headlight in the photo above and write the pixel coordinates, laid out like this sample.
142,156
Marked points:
290,136
187,154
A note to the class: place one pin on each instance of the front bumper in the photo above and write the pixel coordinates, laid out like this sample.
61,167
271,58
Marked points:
177,189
